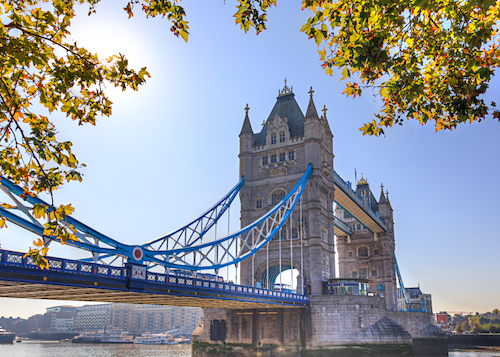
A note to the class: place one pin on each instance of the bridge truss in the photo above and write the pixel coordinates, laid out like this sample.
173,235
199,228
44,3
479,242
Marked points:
195,247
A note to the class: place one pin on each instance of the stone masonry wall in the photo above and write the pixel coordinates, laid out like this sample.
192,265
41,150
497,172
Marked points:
333,317
269,326
412,321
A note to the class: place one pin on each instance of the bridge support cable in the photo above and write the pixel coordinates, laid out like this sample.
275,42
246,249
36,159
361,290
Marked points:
301,251
248,240
267,270
291,257
401,285
281,285
253,260
404,292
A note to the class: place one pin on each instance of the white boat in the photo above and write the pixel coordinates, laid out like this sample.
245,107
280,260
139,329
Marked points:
155,339
104,336
6,336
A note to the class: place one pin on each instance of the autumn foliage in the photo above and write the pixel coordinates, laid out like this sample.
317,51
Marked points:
427,60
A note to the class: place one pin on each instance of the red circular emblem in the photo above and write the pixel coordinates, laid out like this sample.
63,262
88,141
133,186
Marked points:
137,253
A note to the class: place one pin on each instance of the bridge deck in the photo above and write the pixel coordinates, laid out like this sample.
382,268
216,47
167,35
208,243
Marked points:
74,280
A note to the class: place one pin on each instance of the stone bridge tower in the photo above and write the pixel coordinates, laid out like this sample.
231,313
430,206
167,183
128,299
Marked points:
367,255
272,162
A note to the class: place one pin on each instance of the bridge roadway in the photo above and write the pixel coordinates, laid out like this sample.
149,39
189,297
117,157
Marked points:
82,281
347,198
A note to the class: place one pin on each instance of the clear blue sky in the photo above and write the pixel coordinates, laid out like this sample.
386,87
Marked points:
170,150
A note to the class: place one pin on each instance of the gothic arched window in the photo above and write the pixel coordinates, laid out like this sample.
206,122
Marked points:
258,203
277,196
362,251
273,138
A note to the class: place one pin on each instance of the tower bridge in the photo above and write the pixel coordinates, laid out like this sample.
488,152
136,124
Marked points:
296,213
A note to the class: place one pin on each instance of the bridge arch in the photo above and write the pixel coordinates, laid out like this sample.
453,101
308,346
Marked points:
274,271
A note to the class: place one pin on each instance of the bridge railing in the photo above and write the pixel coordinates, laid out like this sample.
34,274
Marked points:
355,197
68,266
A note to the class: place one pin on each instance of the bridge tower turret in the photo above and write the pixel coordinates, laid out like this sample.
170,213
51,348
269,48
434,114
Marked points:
246,145
388,246
279,155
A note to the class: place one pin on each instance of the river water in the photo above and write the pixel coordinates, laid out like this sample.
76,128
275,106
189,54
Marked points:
66,349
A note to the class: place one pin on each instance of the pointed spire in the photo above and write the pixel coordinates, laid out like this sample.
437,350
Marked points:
324,111
387,196
247,127
311,108
382,199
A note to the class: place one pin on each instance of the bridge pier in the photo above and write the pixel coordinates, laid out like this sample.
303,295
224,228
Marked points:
332,324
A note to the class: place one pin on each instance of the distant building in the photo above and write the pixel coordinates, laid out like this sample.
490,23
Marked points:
17,325
93,317
122,315
137,318
58,318
35,322
443,319
157,318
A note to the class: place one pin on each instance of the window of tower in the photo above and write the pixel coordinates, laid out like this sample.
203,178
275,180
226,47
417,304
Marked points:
264,160
354,274
258,203
375,251
374,273
291,155
363,273
273,158
282,156
273,138
362,251
349,254
277,196
295,233
282,137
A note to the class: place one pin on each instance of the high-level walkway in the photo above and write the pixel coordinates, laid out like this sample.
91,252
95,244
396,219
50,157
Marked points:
347,198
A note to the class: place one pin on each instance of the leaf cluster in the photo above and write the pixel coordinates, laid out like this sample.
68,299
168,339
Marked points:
169,9
38,64
428,60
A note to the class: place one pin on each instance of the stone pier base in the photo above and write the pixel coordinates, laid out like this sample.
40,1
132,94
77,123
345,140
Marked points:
332,326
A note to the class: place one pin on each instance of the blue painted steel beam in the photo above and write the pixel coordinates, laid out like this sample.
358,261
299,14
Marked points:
120,249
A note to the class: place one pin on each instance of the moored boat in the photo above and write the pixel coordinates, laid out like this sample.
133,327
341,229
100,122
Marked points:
104,336
155,339
6,336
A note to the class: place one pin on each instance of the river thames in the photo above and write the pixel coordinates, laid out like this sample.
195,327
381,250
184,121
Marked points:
66,349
